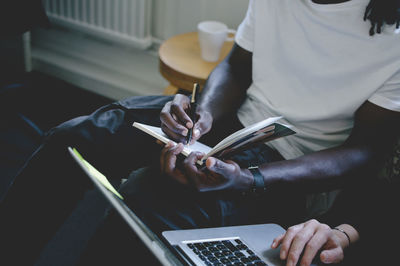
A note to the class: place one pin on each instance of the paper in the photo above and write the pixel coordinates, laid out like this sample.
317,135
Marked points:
99,176
255,134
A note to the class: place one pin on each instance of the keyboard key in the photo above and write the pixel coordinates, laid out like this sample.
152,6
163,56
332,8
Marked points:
199,246
225,260
259,263
227,252
229,245
242,247
206,253
233,259
239,254
212,258
219,255
250,252
245,260
213,249
254,258
238,241
221,247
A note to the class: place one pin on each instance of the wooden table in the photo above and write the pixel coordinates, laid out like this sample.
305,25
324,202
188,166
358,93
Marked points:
181,63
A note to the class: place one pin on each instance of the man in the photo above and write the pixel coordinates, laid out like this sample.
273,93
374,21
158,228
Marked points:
322,73
312,62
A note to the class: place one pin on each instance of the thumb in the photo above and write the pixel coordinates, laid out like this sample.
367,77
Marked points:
332,255
219,166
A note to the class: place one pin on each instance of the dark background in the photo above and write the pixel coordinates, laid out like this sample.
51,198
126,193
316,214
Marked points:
31,103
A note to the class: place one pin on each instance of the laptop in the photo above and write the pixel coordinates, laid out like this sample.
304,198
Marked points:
234,245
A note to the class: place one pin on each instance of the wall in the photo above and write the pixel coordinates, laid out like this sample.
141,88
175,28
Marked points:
178,16
119,72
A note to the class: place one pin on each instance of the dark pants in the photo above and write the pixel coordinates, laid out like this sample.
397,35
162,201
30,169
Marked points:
50,185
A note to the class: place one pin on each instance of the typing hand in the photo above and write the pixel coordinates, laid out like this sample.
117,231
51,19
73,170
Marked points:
307,239
175,120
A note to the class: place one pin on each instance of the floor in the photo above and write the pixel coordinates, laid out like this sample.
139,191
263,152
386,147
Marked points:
46,102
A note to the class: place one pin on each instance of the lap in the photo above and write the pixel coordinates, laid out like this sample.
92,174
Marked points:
163,204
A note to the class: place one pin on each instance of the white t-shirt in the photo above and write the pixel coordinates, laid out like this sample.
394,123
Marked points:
315,65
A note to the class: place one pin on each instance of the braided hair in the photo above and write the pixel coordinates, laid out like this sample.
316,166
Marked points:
380,12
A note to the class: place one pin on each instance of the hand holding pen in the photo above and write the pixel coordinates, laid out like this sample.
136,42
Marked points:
178,114
193,107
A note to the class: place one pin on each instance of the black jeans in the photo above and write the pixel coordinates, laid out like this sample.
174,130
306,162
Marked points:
50,185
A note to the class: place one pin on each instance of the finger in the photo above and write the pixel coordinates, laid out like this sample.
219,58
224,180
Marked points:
178,110
202,125
196,134
175,136
277,241
220,167
170,158
288,238
190,162
168,121
300,240
162,154
334,255
317,241
191,170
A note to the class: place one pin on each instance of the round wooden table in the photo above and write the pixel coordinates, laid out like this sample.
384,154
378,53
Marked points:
181,63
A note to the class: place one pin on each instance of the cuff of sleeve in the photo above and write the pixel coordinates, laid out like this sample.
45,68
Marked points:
242,42
385,102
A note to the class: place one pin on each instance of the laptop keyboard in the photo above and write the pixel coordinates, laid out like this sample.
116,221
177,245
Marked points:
225,252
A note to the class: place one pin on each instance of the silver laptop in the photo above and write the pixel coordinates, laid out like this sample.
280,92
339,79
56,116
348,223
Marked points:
234,245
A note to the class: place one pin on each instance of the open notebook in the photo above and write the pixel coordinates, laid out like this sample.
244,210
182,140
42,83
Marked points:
261,132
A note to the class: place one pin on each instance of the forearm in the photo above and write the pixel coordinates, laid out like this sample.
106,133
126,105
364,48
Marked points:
226,86
358,158
222,94
322,171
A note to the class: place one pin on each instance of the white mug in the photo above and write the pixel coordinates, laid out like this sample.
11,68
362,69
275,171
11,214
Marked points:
212,35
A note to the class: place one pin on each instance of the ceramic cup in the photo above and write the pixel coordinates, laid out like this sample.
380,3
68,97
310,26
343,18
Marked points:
212,35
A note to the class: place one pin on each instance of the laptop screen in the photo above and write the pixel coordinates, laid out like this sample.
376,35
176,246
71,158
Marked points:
151,240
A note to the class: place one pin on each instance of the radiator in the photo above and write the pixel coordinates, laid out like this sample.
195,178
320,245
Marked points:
126,22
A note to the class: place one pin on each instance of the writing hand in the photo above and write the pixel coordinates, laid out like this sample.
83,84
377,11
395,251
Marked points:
175,120
308,238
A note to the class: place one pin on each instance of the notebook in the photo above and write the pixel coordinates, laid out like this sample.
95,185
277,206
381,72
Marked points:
261,132
234,245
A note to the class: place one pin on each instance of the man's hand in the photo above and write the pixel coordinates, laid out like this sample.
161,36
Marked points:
175,120
308,238
216,175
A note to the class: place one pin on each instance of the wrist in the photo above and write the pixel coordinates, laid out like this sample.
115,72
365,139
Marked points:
248,179
347,234
253,181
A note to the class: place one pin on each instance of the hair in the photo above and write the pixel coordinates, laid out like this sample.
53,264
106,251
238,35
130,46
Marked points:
381,12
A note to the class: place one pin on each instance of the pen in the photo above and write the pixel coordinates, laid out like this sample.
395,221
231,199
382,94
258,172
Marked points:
193,106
